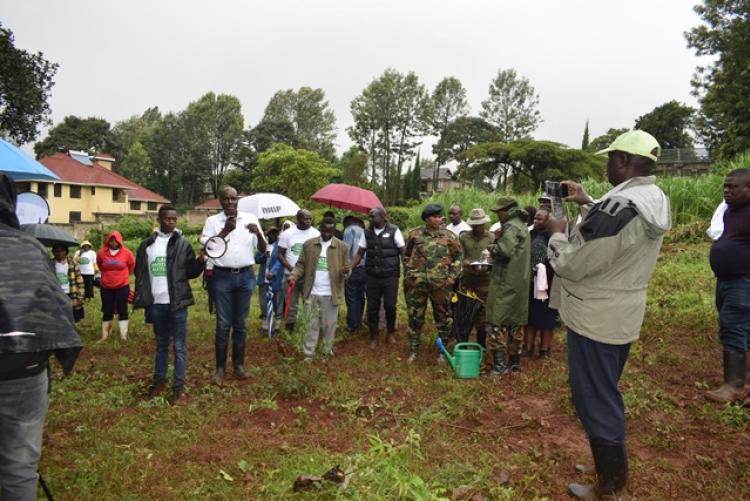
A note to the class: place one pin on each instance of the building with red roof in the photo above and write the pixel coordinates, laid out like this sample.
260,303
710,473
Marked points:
88,188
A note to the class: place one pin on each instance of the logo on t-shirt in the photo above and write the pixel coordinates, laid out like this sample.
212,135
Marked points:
297,249
84,260
322,264
159,267
62,279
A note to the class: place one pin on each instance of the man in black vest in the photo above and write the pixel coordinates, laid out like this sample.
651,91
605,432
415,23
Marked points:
384,245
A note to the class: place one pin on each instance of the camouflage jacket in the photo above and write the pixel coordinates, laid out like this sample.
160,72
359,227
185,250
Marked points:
431,257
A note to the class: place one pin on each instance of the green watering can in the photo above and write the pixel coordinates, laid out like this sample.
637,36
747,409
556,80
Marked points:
466,359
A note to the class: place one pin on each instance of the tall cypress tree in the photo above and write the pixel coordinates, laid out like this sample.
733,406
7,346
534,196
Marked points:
585,142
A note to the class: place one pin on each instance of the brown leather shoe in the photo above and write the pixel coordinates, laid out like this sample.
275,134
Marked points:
726,393
156,389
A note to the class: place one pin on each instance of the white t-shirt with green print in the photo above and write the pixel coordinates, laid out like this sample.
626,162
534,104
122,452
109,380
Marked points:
157,268
292,240
322,284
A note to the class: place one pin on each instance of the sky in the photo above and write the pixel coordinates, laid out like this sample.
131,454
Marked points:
605,61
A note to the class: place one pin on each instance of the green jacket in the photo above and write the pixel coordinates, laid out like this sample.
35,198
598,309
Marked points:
432,258
338,257
606,263
508,299
472,248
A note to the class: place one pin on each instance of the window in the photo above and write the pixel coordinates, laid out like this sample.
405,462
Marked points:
135,205
58,190
75,191
118,195
74,217
42,189
21,187
93,190
151,205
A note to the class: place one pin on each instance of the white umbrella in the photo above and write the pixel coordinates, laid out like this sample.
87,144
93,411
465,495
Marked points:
268,205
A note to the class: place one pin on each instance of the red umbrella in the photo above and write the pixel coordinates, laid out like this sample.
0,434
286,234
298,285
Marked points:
349,197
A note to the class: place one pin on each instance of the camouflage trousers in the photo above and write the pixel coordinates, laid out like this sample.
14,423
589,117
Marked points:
416,308
507,339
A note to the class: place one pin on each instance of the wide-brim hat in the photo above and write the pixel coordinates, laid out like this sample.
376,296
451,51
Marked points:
503,203
477,217
86,242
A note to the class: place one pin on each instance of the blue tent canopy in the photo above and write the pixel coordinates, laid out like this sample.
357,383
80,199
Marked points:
19,166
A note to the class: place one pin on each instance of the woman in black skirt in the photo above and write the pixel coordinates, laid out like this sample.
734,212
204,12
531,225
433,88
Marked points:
542,319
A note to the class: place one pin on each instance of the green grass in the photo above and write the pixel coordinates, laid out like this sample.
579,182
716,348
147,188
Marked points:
403,432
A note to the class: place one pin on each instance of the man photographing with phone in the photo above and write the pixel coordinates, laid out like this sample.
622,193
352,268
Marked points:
233,277
603,269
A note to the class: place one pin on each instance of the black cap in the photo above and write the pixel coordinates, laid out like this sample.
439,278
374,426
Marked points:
431,210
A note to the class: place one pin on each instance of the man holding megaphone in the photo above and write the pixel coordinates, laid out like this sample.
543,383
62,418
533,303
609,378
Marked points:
233,276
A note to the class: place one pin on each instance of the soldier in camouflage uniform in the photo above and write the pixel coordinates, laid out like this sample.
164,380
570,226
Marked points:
432,261
508,298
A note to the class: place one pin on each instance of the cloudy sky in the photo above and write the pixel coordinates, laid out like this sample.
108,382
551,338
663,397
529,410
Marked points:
607,61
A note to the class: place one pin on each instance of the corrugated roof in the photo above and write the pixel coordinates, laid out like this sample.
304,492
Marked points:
71,171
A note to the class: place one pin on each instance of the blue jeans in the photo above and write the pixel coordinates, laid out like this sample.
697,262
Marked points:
23,407
594,371
233,292
733,304
354,293
169,324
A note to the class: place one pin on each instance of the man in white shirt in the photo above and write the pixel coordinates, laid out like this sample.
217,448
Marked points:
457,224
290,248
233,278
165,263
321,268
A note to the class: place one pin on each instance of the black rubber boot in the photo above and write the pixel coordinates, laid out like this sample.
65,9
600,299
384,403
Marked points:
515,363
221,362
238,360
735,373
498,363
611,474
482,337
374,337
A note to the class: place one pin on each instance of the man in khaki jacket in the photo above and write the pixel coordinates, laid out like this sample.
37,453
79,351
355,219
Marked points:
603,269
323,264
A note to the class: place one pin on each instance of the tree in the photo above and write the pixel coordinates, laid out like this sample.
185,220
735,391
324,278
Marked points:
463,133
585,141
353,166
447,103
25,84
312,120
271,131
512,106
73,133
214,124
175,173
668,123
390,116
136,165
601,142
723,87
294,173
137,128
529,163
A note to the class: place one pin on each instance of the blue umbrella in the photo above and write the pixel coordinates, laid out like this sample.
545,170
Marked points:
21,167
